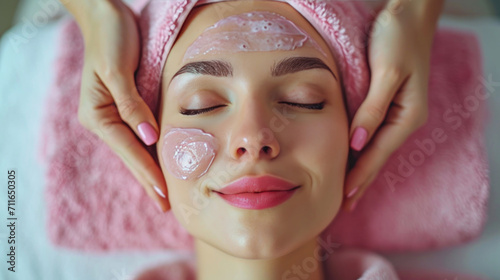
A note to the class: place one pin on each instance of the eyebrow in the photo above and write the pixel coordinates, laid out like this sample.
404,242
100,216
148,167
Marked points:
220,68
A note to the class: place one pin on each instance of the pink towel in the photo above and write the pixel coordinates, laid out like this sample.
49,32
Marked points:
432,192
343,264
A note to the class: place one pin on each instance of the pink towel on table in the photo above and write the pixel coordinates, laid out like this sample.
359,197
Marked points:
342,264
432,192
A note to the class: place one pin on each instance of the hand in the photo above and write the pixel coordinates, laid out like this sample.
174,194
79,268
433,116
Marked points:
396,104
110,105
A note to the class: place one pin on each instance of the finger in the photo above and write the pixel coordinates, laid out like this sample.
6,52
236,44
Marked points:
132,108
370,162
157,192
98,113
391,135
123,142
372,111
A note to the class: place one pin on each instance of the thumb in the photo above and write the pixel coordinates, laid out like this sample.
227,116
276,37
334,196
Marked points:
373,110
132,108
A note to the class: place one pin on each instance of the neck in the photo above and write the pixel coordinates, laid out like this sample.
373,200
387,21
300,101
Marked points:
299,264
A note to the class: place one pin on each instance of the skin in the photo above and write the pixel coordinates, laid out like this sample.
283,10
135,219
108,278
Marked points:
309,149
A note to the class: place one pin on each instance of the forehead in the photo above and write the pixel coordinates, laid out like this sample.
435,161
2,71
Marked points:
251,32
207,15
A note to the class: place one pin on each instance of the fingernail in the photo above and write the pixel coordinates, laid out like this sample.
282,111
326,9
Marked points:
159,192
353,206
352,192
359,138
147,133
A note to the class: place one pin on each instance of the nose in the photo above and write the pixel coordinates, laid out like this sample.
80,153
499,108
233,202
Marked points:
256,147
252,139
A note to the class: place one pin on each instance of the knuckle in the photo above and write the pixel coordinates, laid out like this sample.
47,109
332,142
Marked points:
392,73
108,72
104,127
376,112
127,107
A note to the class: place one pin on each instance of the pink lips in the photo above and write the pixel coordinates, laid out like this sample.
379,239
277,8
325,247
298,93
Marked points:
257,192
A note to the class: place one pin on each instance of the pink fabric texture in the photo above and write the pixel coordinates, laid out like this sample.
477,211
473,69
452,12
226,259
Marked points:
430,194
343,264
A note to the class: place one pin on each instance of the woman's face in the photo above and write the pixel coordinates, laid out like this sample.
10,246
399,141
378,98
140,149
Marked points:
252,113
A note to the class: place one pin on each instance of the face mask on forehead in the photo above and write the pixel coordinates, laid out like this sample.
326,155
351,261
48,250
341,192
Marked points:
251,32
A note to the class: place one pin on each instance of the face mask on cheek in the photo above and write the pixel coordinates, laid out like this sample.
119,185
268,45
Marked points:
188,152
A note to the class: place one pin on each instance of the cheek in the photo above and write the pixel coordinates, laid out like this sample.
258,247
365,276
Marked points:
188,153
323,147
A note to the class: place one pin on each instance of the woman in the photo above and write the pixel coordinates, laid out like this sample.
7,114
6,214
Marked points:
247,137
399,61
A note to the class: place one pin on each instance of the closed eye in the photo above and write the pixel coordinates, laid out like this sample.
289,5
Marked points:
189,112
315,106
192,112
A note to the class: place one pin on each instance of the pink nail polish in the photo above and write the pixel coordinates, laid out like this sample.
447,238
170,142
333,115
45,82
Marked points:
147,133
353,206
359,138
159,192
352,192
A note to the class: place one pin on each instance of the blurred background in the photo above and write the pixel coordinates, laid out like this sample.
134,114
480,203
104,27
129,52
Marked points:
13,11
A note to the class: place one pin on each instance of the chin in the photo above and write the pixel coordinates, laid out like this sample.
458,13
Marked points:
257,251
258,245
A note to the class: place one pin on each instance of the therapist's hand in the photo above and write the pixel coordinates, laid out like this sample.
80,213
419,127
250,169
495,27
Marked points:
396,105
110,105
